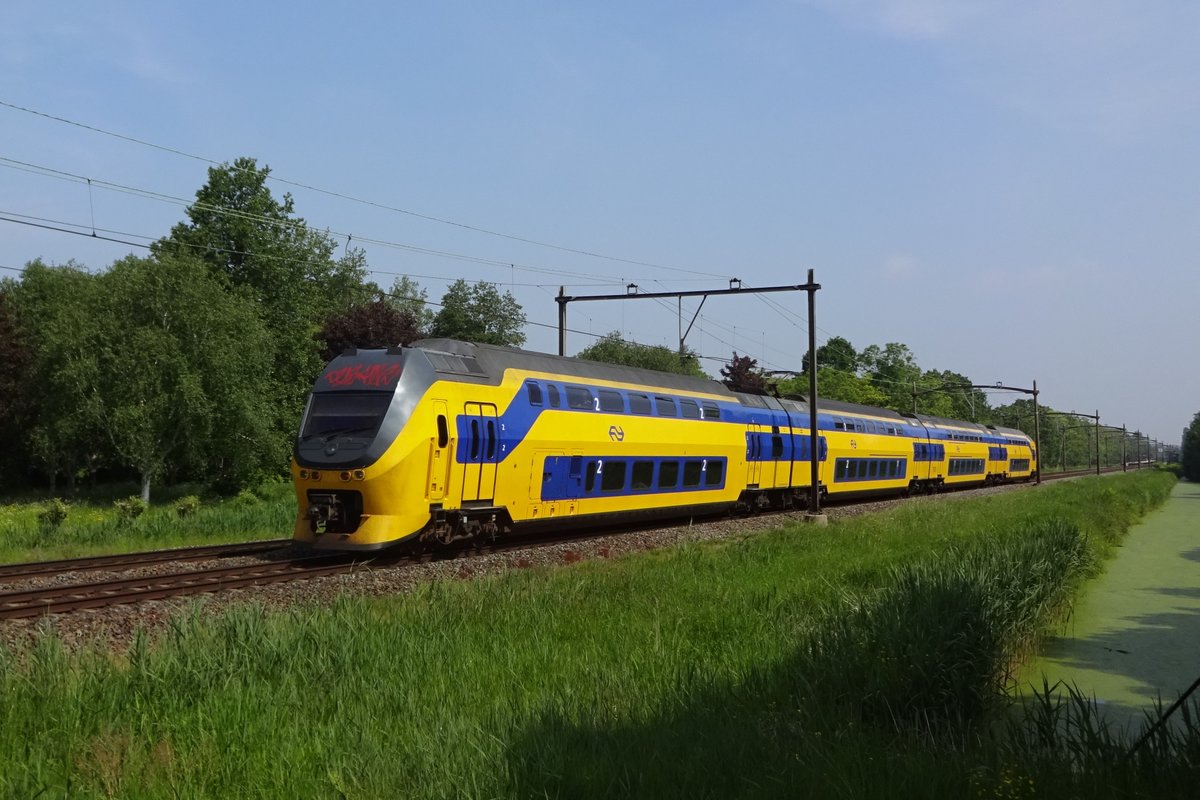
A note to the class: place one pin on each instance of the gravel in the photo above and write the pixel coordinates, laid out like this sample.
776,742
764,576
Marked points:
115,627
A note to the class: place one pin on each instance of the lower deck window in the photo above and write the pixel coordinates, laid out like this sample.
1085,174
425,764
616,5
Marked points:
869,469
668,475
643,476
570,477
966,466
613,476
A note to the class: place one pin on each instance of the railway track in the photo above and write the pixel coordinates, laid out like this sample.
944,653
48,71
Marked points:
24,603
40,601
32,569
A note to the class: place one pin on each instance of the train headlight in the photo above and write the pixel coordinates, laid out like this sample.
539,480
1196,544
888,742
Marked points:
359,475
316,476
344,476
303,474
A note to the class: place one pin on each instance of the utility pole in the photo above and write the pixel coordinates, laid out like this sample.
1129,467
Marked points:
814,497
735,287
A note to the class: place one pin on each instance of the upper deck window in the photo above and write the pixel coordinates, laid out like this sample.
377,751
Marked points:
639,404
535,393
611,401
579,397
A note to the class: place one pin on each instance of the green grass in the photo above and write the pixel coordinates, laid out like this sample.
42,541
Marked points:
95,526
866,659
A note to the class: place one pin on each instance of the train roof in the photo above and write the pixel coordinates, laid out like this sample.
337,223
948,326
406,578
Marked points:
486,363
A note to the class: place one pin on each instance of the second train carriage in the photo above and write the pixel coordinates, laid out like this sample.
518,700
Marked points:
446,439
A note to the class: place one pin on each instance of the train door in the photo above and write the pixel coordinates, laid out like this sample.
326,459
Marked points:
481,452
441,446
773,452
754,454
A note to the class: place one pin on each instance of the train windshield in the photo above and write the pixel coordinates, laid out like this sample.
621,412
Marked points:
348,413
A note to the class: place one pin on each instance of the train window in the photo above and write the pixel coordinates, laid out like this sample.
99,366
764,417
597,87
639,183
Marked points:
474,439
579,397
611,401
613,477
838,426
714,473
776,446
340,412
639,404
851,469
555,401
874,469
664,406
710,410
491,440
842,471
692,471
443,431
590,482
643,476
668,475
535,393
689,409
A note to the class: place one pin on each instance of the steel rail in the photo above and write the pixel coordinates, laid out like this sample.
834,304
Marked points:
29,569
57,599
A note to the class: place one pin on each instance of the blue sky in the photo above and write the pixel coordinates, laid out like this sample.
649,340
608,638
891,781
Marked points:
1010,188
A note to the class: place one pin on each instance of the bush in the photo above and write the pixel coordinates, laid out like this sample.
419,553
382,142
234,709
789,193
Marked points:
54,513
245,498
187,506
129,509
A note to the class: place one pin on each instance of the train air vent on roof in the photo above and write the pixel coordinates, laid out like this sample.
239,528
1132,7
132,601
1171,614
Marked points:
462,365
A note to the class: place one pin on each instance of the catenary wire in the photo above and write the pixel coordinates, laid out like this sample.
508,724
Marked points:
382,206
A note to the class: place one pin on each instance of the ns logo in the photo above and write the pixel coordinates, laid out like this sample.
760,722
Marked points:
616,433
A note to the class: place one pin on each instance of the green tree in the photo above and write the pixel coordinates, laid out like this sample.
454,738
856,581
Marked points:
838,354
612,349
948,401
1190,458
408,295
259,248
836,384
53,309
180,365
16,381
893,370
479,313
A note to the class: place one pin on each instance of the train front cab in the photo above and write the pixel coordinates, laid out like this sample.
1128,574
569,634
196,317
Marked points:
368,429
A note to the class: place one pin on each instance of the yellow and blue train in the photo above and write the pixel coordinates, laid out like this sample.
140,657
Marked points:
447,439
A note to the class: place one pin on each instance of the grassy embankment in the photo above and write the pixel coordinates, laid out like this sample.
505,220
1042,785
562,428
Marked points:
866,659
93,525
